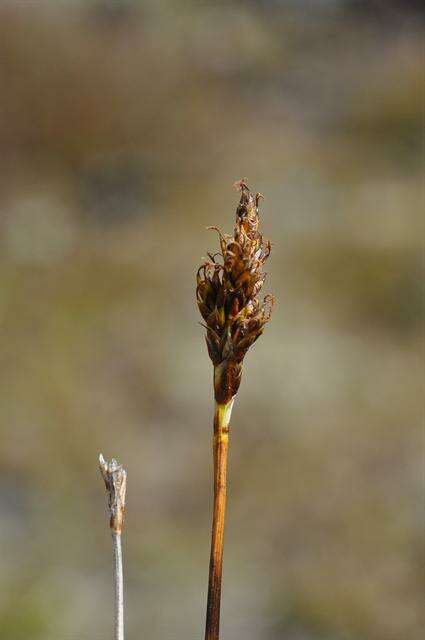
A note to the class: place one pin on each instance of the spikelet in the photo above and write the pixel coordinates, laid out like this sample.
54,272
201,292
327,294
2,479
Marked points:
227,291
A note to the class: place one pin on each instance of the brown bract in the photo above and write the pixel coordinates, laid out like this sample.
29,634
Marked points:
115,478
227,291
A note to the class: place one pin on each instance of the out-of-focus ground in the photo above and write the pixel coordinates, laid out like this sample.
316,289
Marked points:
122,128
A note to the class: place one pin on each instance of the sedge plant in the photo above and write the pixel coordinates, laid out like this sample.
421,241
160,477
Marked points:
228,286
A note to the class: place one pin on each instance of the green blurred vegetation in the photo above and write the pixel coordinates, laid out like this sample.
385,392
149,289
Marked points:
122,127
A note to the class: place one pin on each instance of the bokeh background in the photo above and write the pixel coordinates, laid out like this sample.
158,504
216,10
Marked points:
123,126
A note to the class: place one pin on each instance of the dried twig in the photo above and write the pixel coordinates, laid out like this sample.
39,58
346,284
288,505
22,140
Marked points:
115,478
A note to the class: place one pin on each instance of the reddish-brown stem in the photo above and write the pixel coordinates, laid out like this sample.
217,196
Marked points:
220,448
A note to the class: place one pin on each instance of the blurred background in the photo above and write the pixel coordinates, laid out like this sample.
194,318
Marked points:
123,125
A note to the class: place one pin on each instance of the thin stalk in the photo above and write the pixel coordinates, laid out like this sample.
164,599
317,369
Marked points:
119,589
115,478
220,448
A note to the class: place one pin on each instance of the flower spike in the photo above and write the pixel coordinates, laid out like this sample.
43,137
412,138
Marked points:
227,295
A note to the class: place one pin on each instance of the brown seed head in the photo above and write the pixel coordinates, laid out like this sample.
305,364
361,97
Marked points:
227,291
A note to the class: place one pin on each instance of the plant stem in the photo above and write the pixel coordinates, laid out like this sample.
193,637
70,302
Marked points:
119,590
220,448
115,478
